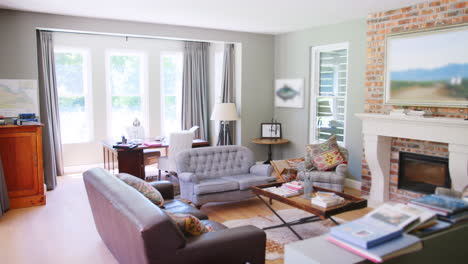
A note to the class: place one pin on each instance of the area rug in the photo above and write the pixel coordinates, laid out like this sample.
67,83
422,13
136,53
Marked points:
277,238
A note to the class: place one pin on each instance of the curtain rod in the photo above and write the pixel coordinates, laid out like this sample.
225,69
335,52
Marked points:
127,35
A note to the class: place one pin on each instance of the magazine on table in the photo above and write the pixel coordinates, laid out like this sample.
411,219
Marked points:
283,191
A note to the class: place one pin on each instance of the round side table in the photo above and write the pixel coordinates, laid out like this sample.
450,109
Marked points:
270,142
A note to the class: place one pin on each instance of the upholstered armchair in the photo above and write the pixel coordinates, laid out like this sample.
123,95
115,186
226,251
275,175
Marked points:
178,141
333,180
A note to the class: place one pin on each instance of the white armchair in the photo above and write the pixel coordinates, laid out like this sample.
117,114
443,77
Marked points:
178,141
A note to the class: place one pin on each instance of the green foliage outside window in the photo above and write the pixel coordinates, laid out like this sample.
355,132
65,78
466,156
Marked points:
129,103
72,103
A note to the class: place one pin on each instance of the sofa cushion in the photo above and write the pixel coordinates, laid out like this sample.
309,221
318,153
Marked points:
246,181
189,224
179,207
324,156
215,185
143,187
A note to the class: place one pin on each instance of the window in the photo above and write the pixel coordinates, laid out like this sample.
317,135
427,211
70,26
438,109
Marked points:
171,90
328,92
126,82
73,86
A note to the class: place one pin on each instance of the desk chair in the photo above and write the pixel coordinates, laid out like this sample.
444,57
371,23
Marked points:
178,141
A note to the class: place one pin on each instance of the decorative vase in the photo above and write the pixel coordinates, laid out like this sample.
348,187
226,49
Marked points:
308,188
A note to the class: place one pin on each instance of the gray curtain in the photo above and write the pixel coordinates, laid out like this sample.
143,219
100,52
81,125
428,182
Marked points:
228,86
195,88
49,109
4,202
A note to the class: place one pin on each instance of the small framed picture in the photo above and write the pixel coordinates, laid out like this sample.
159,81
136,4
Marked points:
271,130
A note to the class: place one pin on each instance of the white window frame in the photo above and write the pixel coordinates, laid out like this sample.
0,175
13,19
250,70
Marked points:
163,95
87,89
144,86
315,86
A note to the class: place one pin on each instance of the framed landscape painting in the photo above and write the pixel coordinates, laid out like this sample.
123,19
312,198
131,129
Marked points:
428,68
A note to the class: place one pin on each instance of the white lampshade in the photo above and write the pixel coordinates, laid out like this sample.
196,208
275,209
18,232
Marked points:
225,112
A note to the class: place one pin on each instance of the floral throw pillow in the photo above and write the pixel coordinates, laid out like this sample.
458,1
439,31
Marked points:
189,224
324,156
143,187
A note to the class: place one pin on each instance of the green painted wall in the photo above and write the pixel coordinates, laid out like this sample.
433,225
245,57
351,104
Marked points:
292,60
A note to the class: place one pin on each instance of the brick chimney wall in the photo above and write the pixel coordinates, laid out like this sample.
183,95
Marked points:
422,16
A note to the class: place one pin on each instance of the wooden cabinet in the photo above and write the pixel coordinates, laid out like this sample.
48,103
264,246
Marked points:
21,152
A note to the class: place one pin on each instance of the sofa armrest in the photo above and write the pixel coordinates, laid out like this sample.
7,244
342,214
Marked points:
188,177
166,188
227,243
342,169
261,169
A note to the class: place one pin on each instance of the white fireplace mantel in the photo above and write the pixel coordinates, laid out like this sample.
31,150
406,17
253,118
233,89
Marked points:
378,130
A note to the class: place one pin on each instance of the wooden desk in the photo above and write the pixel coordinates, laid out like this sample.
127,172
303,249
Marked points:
269,142
131,161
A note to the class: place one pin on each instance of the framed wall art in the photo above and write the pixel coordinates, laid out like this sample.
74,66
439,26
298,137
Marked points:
427,68
289,93
270,130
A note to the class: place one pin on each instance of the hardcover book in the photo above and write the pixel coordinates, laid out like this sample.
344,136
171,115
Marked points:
443,204
392,215
396,247
425,216
365,232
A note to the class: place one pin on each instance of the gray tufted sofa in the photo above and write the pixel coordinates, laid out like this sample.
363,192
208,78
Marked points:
219,174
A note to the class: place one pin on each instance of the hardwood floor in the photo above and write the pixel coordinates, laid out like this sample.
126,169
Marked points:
63,230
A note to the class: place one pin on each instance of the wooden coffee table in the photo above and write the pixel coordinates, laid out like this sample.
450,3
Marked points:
320,213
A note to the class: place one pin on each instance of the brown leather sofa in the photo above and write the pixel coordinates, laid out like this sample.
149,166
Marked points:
137,232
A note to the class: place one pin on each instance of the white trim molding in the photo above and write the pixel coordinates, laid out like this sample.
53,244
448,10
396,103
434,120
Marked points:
350,183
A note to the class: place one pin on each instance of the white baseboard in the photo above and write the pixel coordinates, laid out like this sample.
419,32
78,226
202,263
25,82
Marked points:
353,184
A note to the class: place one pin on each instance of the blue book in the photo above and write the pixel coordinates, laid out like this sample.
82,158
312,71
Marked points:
366,232
441,203
396,247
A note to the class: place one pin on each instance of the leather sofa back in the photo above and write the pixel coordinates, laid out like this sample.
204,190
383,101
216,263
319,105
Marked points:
132,227
215,162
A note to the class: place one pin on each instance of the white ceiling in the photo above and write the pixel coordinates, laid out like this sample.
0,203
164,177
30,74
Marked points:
259,16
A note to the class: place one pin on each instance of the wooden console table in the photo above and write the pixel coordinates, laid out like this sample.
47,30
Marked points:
131,161
269,142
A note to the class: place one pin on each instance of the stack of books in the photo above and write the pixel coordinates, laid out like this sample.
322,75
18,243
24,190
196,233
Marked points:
326,199
286,189
294,186
379,235
447,208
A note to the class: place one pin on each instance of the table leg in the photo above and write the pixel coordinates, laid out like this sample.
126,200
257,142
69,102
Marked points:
280,218
333,220
269,155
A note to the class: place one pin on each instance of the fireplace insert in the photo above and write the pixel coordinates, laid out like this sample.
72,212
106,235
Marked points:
422,173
